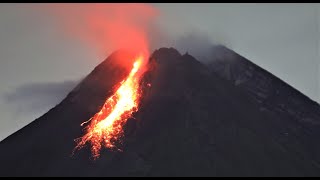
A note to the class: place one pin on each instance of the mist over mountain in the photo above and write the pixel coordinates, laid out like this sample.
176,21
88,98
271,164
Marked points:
226,117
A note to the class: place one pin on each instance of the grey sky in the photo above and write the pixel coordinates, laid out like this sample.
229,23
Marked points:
282,38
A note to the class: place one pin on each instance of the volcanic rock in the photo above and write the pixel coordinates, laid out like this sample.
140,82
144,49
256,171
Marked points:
227,118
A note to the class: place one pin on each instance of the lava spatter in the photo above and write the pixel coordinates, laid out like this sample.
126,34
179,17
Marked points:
105,127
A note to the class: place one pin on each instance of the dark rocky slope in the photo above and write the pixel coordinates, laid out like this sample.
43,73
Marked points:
191,122
300,116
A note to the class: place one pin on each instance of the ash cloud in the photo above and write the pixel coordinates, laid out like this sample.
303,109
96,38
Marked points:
40,97
108,27
37,98
196,43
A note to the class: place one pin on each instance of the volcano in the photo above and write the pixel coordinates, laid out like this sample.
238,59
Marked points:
227,117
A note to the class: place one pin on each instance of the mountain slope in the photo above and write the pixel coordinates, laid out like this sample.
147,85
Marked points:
191,122
272,95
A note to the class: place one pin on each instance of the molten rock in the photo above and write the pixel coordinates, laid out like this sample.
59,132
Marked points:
193,120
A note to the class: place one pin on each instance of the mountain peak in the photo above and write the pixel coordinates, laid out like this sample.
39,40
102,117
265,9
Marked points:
189,123
164,52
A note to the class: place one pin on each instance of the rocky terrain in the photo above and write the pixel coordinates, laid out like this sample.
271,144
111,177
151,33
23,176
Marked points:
225,118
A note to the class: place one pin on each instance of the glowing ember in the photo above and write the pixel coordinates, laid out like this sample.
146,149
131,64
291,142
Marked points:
106,126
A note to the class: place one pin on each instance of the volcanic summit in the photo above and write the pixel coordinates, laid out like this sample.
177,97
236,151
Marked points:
227,117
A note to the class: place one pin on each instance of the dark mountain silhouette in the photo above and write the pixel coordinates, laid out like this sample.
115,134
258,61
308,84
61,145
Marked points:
273,96
228,118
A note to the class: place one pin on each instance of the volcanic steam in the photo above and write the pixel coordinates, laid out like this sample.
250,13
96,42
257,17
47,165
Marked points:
106,28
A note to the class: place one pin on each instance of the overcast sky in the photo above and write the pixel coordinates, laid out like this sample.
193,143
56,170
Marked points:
39,66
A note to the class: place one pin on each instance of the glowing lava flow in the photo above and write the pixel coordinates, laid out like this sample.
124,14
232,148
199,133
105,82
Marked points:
106,126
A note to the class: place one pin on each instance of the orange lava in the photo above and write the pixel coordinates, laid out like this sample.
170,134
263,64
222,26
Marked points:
105,28
105,127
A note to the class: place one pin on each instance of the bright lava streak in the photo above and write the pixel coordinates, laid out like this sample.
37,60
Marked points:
106,125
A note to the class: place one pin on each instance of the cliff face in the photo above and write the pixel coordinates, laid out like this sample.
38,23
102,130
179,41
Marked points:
195,120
